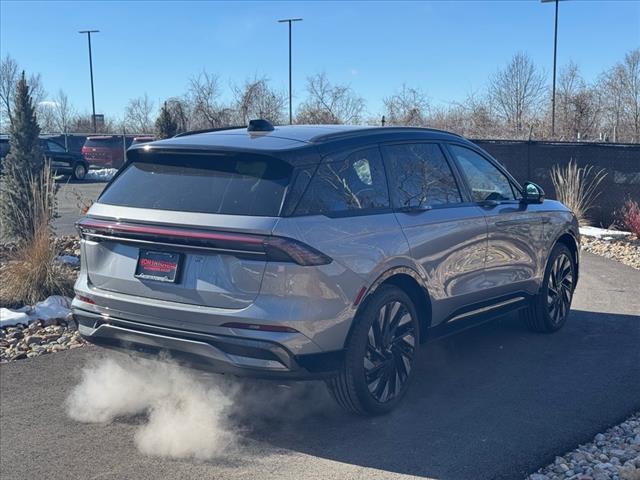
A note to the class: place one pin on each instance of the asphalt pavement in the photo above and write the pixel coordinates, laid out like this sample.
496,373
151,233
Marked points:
71,197
493,402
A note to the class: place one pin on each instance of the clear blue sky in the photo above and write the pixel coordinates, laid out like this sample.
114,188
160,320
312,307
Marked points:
446,48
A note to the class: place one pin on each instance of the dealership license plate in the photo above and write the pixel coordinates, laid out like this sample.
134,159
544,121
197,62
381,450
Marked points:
159,266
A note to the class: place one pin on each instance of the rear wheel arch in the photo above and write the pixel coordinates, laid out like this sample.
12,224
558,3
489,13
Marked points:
409,281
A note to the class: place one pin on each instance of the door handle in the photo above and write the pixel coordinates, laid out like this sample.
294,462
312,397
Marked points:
489,203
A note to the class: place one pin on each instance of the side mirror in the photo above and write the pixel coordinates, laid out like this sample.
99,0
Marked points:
532,193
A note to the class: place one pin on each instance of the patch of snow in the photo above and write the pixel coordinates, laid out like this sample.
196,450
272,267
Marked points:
602,233
10,318
52,308
101,174
69,260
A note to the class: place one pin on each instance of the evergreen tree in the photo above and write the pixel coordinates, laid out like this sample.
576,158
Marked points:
166,126
21,167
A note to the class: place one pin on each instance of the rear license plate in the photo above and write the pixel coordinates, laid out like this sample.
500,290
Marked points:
159,266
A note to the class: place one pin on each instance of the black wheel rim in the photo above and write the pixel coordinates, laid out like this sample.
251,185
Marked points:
390,351
560,288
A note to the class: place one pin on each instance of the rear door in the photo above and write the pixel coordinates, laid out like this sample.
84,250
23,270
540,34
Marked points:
195,220
515,240
447,234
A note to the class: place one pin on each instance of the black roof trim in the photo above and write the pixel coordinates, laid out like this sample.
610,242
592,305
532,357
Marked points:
365,131
208,130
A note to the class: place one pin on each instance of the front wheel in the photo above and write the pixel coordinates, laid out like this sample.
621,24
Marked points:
549,310
380,354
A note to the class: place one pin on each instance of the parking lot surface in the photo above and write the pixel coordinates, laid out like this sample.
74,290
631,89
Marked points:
493,402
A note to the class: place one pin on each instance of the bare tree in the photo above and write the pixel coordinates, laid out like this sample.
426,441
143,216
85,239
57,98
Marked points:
64,112
9,77
631,91
138,115
409,106
516,92
204,98
329,104
611,87
256,99
477,116
578,105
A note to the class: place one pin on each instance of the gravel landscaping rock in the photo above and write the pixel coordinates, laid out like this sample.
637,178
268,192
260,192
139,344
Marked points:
20,342
625,250
612,455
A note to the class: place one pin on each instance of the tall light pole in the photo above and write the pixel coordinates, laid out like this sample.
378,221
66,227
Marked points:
290,21
93,99
555,55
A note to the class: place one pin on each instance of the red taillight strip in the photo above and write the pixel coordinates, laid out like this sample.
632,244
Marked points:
273,247
118,227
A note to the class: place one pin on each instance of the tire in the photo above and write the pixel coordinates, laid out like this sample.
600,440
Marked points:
79,171
383,345
548,311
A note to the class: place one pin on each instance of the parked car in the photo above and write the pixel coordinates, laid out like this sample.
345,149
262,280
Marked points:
105,151
329,252
63,161
60,160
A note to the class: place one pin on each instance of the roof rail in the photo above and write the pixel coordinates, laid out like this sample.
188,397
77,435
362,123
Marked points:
207,130
371,130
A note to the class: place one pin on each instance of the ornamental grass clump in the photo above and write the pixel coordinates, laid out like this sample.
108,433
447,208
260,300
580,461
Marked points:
32,273
577,188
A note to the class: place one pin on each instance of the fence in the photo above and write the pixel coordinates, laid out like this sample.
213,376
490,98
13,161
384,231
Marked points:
532,160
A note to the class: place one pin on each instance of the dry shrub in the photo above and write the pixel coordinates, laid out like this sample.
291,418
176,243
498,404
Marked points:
577,187
32,273
631,217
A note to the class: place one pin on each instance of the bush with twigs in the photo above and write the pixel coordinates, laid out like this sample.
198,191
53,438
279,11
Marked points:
631,217
577,187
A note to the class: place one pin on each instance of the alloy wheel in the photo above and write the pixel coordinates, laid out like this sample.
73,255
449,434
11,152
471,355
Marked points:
390,351
560,288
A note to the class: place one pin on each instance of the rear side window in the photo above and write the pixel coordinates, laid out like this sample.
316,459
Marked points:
226,184
357,183
420,175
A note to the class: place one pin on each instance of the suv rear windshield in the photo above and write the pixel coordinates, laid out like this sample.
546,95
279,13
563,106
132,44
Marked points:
237,184
107,142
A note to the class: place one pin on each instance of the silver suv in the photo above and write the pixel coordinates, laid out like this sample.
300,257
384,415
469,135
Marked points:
326,252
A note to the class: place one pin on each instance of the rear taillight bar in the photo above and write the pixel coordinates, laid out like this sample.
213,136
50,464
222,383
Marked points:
274,248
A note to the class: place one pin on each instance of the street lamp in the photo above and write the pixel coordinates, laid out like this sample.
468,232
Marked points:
93,100
555,54
290,21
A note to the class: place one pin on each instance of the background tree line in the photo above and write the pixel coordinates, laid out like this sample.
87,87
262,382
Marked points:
514,104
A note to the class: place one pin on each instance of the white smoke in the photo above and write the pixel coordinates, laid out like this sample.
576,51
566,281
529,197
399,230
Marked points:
187,415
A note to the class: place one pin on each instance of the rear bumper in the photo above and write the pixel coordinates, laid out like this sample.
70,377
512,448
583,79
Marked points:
239,356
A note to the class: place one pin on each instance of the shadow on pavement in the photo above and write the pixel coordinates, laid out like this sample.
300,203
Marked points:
495,401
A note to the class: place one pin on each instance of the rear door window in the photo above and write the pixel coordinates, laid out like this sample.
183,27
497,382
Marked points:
55,147
227,184
420,175
356,184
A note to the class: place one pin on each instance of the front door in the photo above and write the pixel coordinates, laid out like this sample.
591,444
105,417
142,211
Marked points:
515,228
